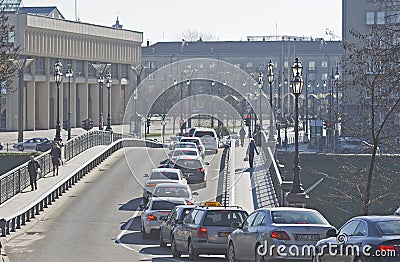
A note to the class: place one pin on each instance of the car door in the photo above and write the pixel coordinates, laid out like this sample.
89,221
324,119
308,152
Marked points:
181,232
240,245
28,144
168,225
356,240
345,233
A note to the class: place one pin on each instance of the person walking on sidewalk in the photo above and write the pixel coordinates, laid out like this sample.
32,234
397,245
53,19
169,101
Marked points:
55,158
33,167
251,148
242,134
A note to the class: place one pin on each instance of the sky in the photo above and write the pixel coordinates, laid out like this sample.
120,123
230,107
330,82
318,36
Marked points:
224,20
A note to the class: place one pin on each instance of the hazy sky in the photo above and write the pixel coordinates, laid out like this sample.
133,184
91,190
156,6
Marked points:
226,20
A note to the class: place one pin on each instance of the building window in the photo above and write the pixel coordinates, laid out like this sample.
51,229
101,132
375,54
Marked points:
370,18
124,71
286,64
79,68
91,71
380,18
324,64
393,17
11,37
311,65
311,76
151,65
324,76
39,64
249,65
114,71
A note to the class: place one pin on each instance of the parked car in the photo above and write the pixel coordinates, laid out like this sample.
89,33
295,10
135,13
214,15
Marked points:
183,152
154,210
198,142
44,146
208,137
30,144
205,230
174,190
277,226
374,234
347,145
170,222
192,167
161,175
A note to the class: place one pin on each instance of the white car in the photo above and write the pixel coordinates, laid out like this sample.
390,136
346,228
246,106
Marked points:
156,208
161,175
183,145
198,142
183,152
208,137
175,190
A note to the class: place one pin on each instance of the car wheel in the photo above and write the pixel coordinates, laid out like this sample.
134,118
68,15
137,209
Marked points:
20,148
231,253
193,255
145,235
258,257
162,243
174,250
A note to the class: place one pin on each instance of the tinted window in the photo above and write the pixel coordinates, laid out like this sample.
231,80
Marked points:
171,192
164,175
249,220
191,140
198,217
189,163
297,217
349,228
189,219
163,205
184,213
362,229
224,218
389,227
259,219
204,133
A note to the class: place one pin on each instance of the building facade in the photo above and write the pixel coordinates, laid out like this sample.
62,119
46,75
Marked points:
47,37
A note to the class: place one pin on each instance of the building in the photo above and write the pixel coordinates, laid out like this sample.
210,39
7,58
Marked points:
46,37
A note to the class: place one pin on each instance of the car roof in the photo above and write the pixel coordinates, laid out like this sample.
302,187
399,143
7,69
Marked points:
165,169
191,137
188,157
185,143
376,218
172,185
185,149
286,209
169,199
233,208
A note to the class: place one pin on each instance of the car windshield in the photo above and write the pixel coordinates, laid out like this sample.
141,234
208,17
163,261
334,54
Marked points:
391,227
163,205
204,133
297,217
171,192
164,175
189,163
224,218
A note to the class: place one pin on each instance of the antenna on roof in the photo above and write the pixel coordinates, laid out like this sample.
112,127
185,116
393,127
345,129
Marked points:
76,10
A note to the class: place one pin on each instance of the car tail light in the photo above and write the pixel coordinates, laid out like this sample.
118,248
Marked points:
150,185
389,248
280,235
201,170
202,232
189,203
151,217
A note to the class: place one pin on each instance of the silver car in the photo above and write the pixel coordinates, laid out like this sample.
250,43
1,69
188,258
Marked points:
175,190
156,208
30,144
288,228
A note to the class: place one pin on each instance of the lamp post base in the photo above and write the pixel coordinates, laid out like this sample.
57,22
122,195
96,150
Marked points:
297,199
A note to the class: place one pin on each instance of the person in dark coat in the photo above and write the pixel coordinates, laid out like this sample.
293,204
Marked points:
55,158
242,134
33,166
250,151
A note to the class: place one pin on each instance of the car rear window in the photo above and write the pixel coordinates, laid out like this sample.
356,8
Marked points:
224,218
391,227
203,133
164,175
298,217
172,192
189,163
185,152
163,205
185,146
190,140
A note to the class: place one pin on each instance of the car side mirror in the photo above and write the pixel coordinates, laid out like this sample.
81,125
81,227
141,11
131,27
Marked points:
146,175
179,222
142,206
331,233
195,193
235,225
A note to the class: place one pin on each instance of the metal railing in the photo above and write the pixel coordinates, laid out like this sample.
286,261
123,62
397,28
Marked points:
15,221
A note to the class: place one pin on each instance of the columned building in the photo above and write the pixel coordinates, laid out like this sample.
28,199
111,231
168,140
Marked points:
46,37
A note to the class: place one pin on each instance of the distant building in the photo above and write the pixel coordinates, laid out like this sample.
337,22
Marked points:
117,24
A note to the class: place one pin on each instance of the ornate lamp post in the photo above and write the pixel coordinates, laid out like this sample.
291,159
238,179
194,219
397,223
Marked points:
58,79
260,86
138,70
100,71
69,74
270,81
336,79
296,196
108,84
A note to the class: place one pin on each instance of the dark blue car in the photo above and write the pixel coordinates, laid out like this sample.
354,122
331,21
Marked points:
363,238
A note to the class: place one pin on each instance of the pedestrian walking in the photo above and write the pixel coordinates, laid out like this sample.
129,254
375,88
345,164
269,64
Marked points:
251,148
55,158
33,170
242,134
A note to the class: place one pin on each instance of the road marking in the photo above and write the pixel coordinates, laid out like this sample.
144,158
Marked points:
125,230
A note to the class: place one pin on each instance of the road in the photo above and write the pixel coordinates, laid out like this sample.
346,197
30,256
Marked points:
99,219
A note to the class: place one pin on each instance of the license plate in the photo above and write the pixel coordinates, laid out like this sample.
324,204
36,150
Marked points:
224,234
307,237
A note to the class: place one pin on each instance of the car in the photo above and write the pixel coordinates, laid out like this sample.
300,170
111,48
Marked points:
373,236
183,152
44,146
174,190
173,141
153,211
161,175
30,144
208,137
231,137
273,227
198,142
184,145
205,230
193,168
170,222
347,145
191,131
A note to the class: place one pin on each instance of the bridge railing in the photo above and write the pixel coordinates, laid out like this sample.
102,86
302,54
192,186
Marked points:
15,221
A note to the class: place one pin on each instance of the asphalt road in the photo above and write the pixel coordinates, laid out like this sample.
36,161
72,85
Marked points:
99,219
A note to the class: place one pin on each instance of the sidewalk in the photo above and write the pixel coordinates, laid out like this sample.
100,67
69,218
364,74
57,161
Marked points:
27,196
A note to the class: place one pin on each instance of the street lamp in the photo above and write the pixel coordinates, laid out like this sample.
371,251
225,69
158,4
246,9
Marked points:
108,84
270,81
138,70
260,86
279,111
58,79
100,71
296,196
189,122
336,77
69,74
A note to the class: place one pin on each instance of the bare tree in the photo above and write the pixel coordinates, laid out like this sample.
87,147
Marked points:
192,35
372,66
8,49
